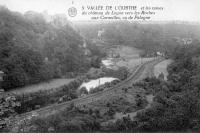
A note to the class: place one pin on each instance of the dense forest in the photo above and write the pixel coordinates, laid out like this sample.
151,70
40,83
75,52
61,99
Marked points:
150,37
33,50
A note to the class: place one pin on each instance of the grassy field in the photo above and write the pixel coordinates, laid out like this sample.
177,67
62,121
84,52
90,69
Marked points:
128,52
162,67
42,86
129,57
131,63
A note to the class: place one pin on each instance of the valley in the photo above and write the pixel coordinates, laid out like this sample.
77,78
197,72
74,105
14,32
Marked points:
60,76
139,73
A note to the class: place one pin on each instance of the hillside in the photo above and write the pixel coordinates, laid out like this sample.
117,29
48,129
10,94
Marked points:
34,48
148,36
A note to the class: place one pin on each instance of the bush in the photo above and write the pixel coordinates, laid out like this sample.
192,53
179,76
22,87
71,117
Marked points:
46,97
72,119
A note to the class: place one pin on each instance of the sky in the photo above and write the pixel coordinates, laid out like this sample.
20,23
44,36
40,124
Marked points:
183,10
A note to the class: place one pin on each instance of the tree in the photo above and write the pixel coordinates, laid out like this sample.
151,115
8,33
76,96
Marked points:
83,90
111,112
161,76
26,41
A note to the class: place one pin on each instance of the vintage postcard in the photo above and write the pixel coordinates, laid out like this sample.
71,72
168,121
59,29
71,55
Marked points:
99,66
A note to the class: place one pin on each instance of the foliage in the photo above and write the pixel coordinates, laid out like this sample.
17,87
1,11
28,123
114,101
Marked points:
83,90
104,86
7,109
176,102
149,37
33,50
72,119
35,100
122,73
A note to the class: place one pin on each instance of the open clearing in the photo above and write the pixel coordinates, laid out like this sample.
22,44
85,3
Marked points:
162,68
128,52
129,57
42,86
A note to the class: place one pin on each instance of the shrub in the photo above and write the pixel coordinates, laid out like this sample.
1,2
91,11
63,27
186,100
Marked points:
43,98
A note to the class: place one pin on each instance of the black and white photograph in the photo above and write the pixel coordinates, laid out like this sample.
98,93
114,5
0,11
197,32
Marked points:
99,66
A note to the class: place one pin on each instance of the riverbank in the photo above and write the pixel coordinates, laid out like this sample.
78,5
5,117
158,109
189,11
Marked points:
54,83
